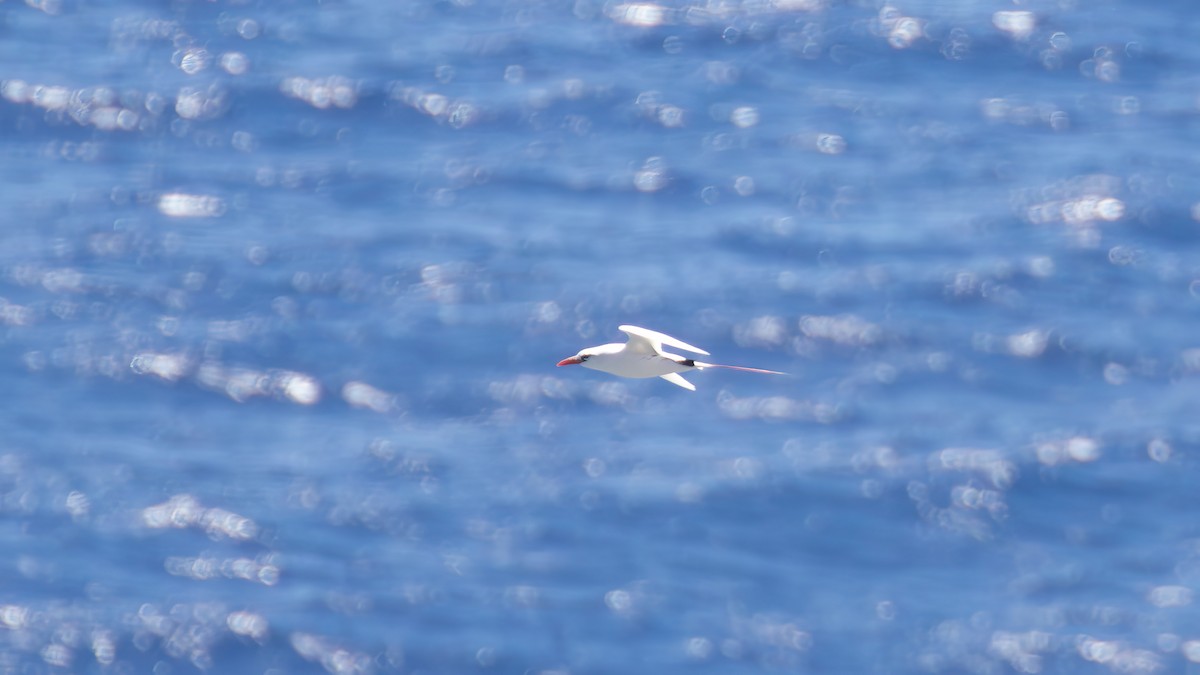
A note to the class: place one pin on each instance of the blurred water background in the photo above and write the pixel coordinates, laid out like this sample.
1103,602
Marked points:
282,287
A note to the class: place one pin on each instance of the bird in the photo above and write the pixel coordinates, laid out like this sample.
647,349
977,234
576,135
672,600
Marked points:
643,356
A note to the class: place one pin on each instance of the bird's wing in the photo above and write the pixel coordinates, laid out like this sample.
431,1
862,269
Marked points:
646,341
674,378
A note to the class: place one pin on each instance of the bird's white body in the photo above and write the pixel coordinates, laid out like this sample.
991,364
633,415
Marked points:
643,356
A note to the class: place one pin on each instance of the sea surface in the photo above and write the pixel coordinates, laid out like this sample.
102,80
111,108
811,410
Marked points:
283,286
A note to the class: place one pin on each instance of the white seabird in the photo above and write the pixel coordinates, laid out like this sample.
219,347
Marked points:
643,356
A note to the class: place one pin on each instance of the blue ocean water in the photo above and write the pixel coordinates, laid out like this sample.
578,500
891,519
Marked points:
282,287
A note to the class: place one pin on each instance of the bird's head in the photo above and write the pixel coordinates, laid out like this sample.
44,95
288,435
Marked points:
581,357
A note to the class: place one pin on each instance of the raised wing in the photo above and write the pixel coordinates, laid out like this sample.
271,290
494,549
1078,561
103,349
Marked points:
646,341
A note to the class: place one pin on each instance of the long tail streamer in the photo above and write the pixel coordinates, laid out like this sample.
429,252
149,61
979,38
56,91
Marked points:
743,368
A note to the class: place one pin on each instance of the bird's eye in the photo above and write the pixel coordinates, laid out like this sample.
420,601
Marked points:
584,358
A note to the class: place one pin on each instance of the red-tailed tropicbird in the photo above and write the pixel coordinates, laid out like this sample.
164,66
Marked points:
642,356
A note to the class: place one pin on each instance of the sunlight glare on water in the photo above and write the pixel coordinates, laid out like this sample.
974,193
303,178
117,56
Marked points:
183,511
282,290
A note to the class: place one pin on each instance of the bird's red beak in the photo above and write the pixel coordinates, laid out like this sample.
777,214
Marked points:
570,361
